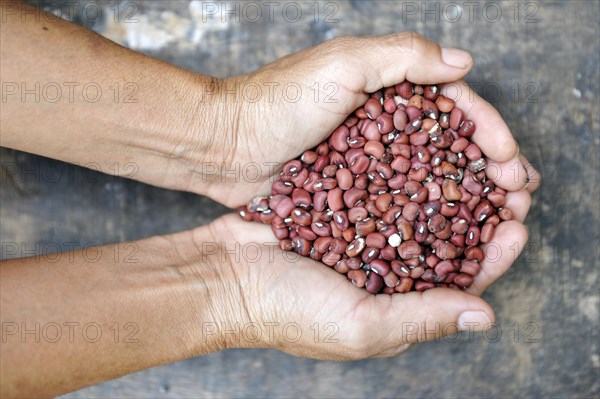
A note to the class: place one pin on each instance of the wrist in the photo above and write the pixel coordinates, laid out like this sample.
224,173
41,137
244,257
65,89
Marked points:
213,295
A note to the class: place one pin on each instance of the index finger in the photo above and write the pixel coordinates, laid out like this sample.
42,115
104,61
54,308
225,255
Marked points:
491,133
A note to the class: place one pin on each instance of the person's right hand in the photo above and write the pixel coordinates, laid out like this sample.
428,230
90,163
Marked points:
302,307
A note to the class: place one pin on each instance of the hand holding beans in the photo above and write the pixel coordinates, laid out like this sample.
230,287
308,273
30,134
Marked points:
426,178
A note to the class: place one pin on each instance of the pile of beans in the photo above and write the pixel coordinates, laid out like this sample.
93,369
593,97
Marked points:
396,199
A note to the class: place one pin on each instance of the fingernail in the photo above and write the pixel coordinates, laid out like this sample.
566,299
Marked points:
473,320
456,57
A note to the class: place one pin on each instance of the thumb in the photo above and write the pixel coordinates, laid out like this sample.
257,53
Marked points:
410,56
433,314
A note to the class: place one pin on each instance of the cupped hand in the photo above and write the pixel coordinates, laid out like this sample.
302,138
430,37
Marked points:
296,102
305,308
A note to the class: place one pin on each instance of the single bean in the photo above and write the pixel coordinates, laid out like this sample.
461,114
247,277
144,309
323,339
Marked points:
385,123
444,104
376,240
405,285
421,286
358,277
474,253
380,267
463,280
483,210
373,108
404,89
456,118
409,249
467,128
374,283
356,247
354,195
450,190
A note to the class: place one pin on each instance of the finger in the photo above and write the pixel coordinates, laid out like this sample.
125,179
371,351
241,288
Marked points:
518,202
244,232
432,314
491,134
511,175
509,239
534,177
397,57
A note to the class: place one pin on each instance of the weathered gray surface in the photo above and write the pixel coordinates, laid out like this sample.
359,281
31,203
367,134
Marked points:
549,50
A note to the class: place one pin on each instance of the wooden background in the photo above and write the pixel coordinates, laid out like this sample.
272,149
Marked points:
537,62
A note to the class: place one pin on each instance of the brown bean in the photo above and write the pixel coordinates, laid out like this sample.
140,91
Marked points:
450,190
483,210
391,280
388,253
322,244
374,148
374,283
404,89
401,164
301,246
353,196
353,263
385,123
358,277
380,267
301,216
409,249
405,285
400,120
356,247
444,104
331,258
365,227
421,286
284,208
376,240
472,236
373,108
321,229
474,253
456,118
463,280
467,128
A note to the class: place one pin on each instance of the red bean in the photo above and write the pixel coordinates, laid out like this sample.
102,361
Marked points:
373,108
466,129
358,277
472,236
463,280
456,118
380,267
376,240
374,283
444,104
